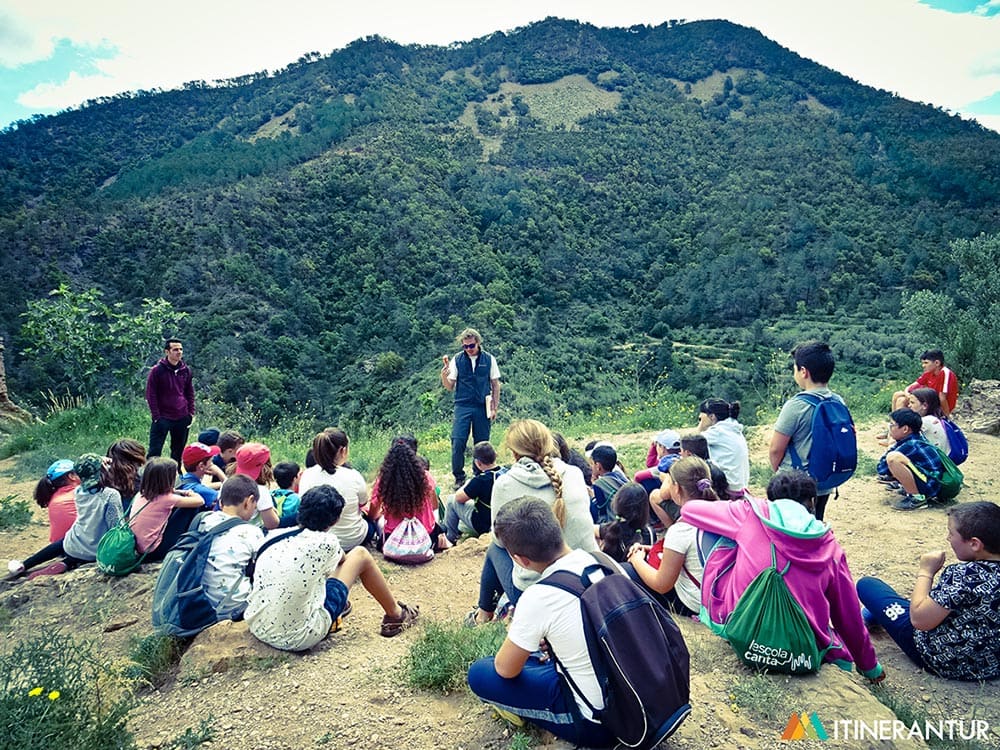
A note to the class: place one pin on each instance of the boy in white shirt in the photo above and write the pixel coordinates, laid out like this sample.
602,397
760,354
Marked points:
225,578
520,680
302,579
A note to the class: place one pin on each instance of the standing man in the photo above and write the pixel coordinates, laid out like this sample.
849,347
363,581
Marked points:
475,378
170,395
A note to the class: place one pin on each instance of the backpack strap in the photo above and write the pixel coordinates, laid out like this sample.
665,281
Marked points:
275,539
815,400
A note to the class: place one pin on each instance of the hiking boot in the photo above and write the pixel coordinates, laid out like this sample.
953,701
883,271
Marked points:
393,626
911,502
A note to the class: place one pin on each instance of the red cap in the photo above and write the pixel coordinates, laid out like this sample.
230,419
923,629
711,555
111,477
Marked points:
198,452
250,457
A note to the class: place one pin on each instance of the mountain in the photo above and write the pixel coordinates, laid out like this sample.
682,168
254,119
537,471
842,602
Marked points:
583,196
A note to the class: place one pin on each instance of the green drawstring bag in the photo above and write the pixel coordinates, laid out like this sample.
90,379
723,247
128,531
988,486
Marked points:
768,629
951,477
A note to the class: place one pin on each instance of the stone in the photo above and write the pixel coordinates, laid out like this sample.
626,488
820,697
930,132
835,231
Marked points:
220,647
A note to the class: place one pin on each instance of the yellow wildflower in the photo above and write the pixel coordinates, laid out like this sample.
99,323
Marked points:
54,694
35,691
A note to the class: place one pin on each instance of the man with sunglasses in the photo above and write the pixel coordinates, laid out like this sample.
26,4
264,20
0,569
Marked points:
475,378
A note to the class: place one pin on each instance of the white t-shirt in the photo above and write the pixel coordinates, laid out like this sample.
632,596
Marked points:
453,368
351,529
286,604
554,614
934,433
682,538
225,581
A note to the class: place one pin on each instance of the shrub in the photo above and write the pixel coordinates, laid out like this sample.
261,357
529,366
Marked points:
60,692
440,658
153,657
15,513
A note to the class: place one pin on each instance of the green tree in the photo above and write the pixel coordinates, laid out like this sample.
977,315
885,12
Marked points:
86,346
969,324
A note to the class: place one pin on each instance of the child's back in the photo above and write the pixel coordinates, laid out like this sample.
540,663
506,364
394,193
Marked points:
226,583
97,510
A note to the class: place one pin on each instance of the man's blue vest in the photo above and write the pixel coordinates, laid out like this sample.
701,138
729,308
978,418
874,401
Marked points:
472,388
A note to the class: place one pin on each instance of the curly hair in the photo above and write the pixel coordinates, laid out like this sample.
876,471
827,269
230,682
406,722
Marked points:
127,457
529,438
631,507
402,482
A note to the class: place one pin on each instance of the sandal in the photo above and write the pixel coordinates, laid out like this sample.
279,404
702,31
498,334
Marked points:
393,626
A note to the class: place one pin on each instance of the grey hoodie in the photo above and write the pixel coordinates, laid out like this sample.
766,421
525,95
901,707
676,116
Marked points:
526,477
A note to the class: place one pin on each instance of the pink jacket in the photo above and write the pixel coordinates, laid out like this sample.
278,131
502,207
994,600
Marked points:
818,578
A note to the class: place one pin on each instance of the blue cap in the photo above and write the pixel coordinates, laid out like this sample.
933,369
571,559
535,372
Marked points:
59,468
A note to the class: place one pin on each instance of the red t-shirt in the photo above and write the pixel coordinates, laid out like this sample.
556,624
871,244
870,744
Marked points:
942,381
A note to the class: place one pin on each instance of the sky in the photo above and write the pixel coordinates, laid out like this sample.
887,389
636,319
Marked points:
56,54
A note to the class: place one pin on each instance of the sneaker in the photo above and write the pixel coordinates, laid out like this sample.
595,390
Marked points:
514,719
55,569
15,569
911,502
393,626
886,479
892,486
459,483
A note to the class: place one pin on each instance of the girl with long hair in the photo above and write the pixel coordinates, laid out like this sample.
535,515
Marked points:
151,519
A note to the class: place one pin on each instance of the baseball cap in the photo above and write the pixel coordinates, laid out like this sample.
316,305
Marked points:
195,453
669,439
59,468
250,457
209,436
88,468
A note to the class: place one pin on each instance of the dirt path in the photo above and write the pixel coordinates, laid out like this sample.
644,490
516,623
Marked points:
350,691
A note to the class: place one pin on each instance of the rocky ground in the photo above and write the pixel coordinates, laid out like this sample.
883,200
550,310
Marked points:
350,691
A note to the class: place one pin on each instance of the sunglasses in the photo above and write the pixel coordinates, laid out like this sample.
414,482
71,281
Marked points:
470,346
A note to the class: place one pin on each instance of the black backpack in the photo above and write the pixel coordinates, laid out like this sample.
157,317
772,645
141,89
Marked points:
645,699
180,605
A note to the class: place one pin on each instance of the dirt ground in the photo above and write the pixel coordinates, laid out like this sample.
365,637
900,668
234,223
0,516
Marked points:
350,691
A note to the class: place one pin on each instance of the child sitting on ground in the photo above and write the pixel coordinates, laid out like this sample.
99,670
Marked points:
302,580
665,449
402,490
152,517
254,460
98,508
817,574
912,461
630,508
951,628
56,492
935,376
286,500
676,575
517,680
225,578
469,509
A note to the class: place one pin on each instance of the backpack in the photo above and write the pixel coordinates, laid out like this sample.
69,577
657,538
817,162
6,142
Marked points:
409,543
833,456
286,503
116,552
180,605
958,444
610,483
645,700
768,629
950,479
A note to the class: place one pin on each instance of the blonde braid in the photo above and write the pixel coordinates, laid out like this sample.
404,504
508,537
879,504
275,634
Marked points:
558,505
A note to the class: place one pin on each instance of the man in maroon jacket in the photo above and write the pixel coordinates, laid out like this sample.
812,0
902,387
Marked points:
170,395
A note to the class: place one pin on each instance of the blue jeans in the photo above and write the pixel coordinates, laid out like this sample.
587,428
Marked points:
892,612
458,518
541,696
496,578
467,416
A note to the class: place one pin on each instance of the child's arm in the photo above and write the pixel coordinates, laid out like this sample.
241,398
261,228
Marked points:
662,579
925,613
187,499
776,450
510,659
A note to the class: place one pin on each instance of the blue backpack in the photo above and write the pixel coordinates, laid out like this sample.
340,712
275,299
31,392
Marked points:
833,456
180,605
957,442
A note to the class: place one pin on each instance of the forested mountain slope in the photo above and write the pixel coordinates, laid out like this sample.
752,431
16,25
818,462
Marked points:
578,194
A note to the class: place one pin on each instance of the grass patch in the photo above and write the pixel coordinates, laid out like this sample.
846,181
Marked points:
57,692
909,713
192,738
759,695
440,658
152,658
15,513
